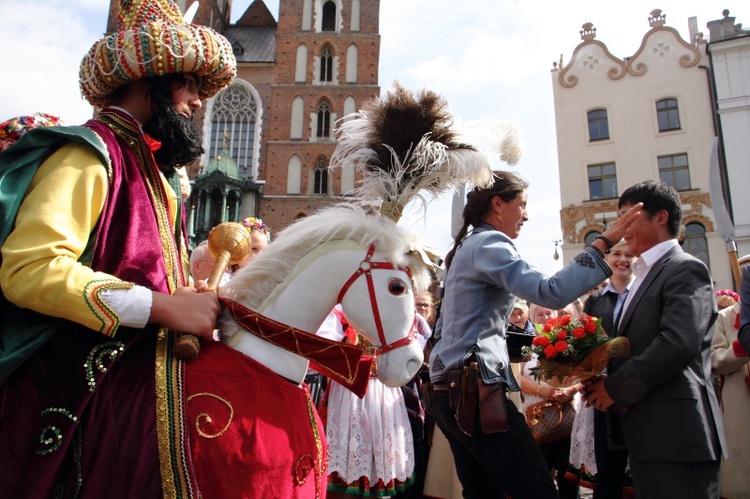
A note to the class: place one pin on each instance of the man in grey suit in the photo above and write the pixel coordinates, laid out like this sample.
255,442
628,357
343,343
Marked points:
664,389
744,334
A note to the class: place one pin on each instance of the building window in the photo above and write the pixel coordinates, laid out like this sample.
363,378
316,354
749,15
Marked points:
324,120
668,115
674,171
355,15
300,68
602,181
352,61
695,241
598,125
326,65
329,17
297,124
320,188
294,175
591,236
233,121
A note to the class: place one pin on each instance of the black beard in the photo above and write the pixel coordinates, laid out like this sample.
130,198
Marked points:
180,139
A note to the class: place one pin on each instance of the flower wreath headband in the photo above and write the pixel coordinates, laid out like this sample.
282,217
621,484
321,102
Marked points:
253,224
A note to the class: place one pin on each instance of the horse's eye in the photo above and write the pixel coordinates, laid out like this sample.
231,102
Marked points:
396,287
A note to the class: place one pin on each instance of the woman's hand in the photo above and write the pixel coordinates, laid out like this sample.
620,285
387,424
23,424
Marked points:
617,229
562,395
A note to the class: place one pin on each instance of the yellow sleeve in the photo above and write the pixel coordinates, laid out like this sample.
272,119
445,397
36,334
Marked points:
40,268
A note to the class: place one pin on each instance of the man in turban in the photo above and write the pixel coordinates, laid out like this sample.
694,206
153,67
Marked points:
94,271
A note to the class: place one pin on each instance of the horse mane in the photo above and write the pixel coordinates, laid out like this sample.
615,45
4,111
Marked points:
252,284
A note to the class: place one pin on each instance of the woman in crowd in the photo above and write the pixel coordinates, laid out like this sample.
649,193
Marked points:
424,305
598,453
494,451
370,445
734,371
556,453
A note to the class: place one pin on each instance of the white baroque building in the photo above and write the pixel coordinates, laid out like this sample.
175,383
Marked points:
729,51
623,121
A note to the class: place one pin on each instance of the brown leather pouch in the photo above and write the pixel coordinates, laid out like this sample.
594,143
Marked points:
466,412
492,412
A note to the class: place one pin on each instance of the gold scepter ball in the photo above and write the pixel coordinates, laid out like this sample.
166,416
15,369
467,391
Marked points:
229,243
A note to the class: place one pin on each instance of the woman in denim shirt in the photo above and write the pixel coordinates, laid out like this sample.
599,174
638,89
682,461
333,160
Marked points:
485,274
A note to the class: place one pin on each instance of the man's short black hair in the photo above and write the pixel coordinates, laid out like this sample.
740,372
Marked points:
656,196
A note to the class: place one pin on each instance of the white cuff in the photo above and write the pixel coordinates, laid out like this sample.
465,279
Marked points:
132,306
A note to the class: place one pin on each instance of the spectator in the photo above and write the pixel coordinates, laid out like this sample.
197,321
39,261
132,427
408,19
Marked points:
519,316
556,454
734,372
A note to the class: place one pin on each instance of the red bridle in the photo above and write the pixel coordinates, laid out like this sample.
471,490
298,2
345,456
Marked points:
365,268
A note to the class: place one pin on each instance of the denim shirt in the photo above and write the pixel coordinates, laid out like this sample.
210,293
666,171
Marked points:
481,286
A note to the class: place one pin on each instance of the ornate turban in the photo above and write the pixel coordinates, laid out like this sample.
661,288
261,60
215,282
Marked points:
153,39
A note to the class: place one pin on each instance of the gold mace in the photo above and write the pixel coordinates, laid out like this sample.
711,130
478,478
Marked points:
229,243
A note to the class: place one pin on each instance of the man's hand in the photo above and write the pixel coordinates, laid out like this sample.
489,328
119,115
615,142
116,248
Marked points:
186,311
596,395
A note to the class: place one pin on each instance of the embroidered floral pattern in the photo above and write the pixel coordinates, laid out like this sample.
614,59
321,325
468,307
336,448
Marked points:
206,418
51,436
96,358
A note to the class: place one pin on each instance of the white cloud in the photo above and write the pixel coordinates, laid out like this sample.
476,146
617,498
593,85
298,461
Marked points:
41,70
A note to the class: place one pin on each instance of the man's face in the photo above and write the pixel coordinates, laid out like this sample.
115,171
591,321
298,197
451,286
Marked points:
518,317
643,234
202,269
185,98
173,103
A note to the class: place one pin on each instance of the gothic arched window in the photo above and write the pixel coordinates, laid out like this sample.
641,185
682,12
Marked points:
329,16
235,113
324,120
320,188
326,65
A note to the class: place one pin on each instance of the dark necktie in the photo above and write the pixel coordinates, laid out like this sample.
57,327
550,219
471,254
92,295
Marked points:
618,308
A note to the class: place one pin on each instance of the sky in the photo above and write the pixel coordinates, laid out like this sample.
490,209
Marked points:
490,59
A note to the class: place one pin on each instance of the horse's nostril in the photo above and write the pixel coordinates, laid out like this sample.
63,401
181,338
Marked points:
412,366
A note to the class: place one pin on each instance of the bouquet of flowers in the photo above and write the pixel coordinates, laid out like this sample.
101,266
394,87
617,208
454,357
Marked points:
573,349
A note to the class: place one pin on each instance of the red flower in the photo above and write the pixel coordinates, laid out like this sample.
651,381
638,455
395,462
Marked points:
541,341
561,345
590,327
549,325
563,321
562,334
579,332
550,352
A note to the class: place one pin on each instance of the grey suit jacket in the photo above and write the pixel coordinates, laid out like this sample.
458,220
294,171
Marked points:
665,386
744,334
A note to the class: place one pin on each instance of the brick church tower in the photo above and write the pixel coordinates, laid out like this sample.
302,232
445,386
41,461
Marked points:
268,137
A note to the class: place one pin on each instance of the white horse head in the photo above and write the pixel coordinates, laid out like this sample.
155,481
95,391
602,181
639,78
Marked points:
340,254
